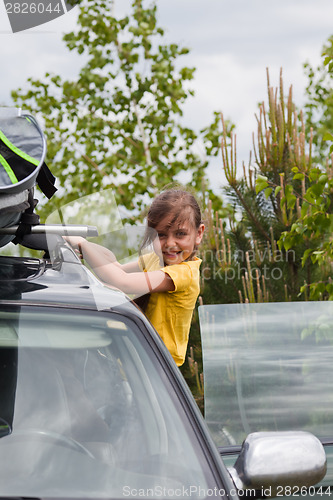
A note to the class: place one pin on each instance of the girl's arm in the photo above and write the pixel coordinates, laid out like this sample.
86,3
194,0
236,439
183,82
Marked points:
76,241
104,264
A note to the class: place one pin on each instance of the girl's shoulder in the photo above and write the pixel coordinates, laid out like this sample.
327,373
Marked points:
185,267
150,262
194,263
189,264
185,275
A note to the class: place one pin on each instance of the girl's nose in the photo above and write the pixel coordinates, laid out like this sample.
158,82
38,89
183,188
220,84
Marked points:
170,241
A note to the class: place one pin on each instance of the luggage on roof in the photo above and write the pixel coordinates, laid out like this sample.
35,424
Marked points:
22,166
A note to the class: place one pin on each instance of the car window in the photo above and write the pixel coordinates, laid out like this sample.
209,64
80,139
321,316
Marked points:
86,411
267,367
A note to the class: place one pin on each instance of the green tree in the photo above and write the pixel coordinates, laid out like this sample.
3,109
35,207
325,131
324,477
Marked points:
267,201
302,198
319,102
119,123
315,227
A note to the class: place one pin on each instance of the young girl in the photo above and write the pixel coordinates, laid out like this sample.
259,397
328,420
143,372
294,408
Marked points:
173,284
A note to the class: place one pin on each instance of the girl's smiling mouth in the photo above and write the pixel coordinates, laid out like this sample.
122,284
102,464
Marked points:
170,257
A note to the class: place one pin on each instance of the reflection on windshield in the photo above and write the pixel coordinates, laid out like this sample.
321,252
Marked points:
267,367
84,412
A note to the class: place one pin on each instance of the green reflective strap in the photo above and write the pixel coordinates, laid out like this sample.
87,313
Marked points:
8,169
18,151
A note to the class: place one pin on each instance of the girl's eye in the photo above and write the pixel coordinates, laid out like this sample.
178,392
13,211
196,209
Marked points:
181,233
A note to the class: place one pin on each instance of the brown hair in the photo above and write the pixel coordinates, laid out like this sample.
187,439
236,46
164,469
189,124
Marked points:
182,206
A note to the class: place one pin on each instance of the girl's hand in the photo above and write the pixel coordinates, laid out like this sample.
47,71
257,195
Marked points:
75,242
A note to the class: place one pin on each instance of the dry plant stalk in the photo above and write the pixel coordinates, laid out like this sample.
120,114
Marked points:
193,365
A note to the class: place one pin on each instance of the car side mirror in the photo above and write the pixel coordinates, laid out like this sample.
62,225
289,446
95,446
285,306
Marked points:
279,463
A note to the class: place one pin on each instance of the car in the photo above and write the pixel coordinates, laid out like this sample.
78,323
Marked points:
93,406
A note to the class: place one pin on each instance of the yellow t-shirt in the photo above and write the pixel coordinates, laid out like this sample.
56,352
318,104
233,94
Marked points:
171,312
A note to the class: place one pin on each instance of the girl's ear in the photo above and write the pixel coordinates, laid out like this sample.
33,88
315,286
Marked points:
199,234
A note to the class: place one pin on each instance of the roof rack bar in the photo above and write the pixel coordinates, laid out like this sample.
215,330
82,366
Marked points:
69,230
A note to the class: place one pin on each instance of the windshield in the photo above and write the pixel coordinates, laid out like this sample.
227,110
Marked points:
84,412
267,367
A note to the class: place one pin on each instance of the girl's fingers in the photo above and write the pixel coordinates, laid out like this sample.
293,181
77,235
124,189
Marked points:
73,241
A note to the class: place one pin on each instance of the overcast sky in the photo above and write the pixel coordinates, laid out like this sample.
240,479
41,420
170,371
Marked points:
231,41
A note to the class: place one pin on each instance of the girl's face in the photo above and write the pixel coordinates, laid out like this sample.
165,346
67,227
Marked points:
178,240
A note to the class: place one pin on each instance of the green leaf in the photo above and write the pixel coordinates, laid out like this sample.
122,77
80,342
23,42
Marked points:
261,183
305,256
327,136
268,192
291,201
323,178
